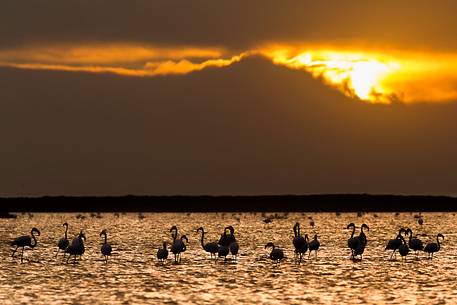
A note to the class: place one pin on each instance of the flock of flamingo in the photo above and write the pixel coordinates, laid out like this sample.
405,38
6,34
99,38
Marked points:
227,244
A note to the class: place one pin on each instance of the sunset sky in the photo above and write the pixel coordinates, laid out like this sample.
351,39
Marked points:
228,97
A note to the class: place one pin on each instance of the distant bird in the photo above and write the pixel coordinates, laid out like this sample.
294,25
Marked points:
106,247
431,248
403,249
162,253
414,243
76,247
179,247
314,245
25,241
300,243
420,221
276,254
311,223
394,244
63,242
211,247
233,244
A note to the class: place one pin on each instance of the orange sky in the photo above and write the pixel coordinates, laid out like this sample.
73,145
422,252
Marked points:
228,97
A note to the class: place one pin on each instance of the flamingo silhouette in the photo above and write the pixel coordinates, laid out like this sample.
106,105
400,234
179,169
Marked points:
394,244
179,247
276,254
300,243
76,247
357,244
414,243
314,245
431,248
25,241
63,243
106,247
403,249
233,244
211,247
162,253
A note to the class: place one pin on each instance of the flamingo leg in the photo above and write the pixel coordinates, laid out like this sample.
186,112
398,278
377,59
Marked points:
58,249
14,251
22,255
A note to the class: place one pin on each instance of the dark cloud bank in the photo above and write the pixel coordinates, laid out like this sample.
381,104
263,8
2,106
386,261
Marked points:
249,128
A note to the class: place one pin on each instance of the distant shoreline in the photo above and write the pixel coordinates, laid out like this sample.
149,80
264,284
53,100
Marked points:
267,203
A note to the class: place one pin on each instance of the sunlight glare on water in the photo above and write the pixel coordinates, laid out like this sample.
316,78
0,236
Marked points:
134,276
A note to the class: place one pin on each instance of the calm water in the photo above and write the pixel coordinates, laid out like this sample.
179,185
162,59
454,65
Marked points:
133,275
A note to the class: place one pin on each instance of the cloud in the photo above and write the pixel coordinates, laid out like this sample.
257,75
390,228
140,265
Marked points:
376,76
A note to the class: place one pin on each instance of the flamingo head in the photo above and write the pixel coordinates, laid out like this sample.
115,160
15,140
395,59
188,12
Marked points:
408,232
173,228
270,244
230,228
65,224
81,235
36,231
351,225
185,237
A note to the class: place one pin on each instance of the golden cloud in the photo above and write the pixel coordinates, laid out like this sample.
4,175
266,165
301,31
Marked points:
373,76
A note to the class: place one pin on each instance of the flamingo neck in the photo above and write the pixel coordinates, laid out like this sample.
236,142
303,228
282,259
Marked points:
106,238
438,242
66,230
353,231
201,240
33,245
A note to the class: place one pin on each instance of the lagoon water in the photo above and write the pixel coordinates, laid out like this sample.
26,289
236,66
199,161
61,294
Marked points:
134,276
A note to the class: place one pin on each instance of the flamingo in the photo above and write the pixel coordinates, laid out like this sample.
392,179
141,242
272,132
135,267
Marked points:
431,248
314,245
174,233
300,243
178,247
403,249
25,241
76,247
358,244
211,247
162,253
106,247
233,246
63,242
223,251
414,243
352,241
276,254
394,244
224,240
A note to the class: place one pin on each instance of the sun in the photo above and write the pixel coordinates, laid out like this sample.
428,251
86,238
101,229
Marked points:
360,75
